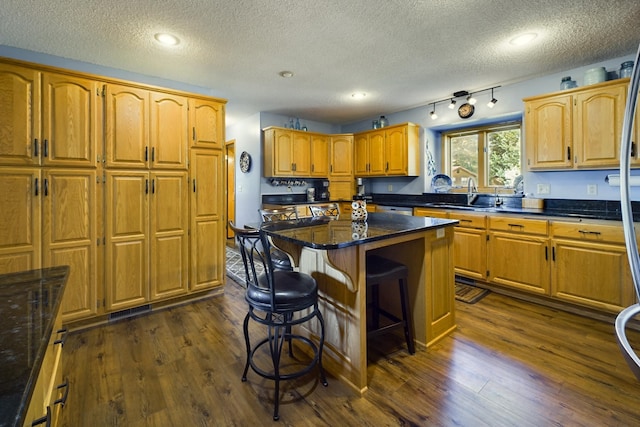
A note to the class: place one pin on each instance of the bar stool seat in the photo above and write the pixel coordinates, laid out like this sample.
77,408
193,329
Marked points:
380,271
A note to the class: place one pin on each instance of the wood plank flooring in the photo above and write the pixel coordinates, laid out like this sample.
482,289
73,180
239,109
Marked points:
510,363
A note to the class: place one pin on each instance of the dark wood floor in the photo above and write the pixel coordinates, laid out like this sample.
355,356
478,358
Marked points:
510,363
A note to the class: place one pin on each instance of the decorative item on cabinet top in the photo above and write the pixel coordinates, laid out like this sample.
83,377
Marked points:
277,182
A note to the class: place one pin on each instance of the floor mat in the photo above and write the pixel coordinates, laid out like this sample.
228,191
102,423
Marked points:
469,294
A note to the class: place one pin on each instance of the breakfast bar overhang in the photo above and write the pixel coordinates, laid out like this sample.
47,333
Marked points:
333,251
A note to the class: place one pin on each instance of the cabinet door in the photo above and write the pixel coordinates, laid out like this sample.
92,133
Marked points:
319,156
301,154
169,238
71,120
592,274
70,238
207,219
519,261
598,126
341,156
548,133
206,123
20,220
396,151
127,239
377,163
168,131
127,127
283,153
470,252
361,155
19,115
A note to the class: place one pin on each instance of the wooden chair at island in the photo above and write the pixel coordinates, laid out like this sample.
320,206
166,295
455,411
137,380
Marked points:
278,300
280,259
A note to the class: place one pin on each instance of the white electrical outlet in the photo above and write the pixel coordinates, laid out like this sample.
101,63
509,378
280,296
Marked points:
543,189
240,188
592,189
389,187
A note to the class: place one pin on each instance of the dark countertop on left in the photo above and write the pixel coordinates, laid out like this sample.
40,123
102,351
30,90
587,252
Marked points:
29,304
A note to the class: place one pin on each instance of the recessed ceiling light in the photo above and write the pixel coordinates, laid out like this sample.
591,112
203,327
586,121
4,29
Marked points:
286,74
358,95
523,39
167,39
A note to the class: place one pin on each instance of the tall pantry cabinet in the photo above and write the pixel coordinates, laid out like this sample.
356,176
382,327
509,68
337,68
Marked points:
95,174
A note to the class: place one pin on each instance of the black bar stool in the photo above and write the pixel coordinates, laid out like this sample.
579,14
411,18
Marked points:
381,271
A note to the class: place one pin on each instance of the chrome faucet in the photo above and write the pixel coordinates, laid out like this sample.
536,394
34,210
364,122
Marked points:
471,191
498,199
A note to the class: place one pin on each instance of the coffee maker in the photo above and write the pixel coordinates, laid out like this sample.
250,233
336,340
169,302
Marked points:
360,183
322,191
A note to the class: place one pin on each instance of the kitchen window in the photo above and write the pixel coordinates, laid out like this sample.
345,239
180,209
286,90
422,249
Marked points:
491,155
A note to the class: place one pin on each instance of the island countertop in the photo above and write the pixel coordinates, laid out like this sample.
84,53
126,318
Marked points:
335,233
29,303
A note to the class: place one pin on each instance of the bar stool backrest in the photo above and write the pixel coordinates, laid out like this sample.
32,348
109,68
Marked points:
330,210
282,214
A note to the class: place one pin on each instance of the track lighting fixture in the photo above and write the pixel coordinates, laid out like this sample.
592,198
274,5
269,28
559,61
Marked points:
466,110
433,112
493,100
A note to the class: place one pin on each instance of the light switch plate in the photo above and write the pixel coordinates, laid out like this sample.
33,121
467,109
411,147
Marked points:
592,189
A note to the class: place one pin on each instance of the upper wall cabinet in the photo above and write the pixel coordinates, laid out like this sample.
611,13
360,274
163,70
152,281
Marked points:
341,156
287,153
392,151
206,123
145,129
577,129
19,115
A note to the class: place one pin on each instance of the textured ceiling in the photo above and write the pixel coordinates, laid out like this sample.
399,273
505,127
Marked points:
402,53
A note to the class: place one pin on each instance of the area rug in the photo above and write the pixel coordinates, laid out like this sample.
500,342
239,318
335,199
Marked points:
469,294
235,266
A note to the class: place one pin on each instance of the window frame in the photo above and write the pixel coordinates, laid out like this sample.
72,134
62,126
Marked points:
483,152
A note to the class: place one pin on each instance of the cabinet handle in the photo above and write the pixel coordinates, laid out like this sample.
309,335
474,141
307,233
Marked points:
46,187
35,147
546,253
516,225
44,420
633,149
146,153
63,338
597,233
194,185
63,400
153,154
387,169
194,133
36,186
569,153
45,149
146,186
465,220
153,186
313,168
553,253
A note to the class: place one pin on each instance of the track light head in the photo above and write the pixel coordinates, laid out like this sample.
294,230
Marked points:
452,105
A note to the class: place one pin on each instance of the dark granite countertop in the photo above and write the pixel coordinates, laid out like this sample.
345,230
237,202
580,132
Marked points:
329,233
29,303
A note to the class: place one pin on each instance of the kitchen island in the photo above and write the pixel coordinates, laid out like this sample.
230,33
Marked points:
334,252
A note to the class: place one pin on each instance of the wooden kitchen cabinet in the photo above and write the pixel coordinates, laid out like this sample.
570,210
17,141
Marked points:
207,218
21,219
576,129
169,131
287,153
319,156
392,151
518,253
590,265
206,123
71,121
341,156
470,244
127,239
19,115
69,236
431,212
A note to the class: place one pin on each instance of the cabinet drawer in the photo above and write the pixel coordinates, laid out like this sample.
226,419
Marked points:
430,212
469,220
519,225
589,232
